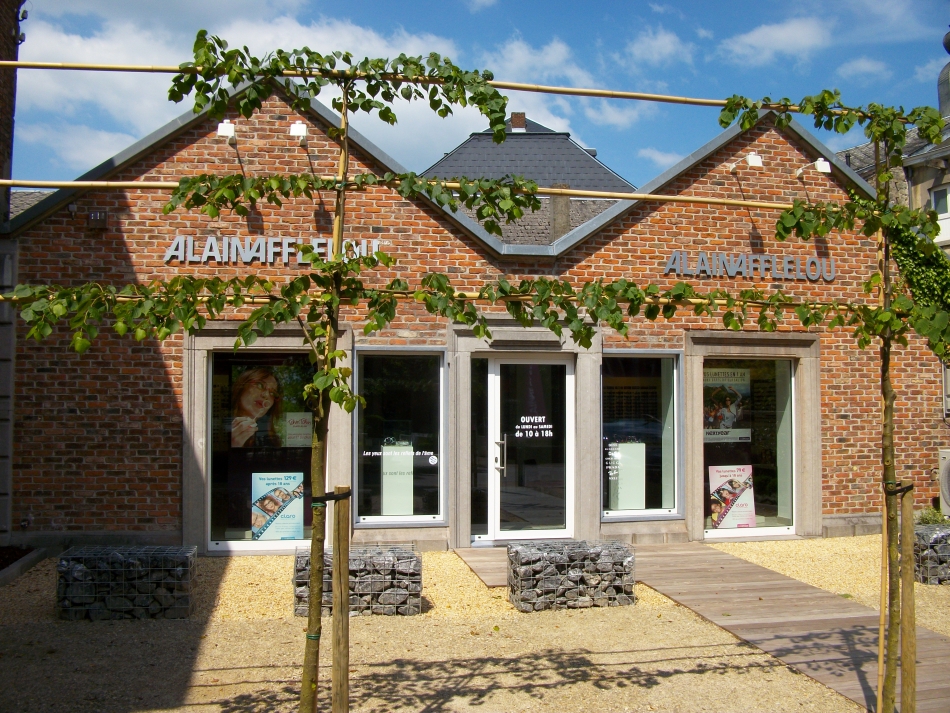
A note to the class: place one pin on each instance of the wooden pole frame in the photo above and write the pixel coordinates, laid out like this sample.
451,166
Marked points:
340,683
908,607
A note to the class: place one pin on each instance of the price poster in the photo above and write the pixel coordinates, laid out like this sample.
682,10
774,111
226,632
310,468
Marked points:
726,396
731,497
277,506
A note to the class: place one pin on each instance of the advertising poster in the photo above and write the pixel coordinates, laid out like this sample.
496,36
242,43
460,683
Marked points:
277,506
731,497
626,476
397,477
267,408
726,395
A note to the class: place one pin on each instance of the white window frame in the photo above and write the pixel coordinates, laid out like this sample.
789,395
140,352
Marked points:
678,511
223,547
765,532
943,219
389,521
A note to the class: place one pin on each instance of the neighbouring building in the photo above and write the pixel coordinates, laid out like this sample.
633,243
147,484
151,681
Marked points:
680,431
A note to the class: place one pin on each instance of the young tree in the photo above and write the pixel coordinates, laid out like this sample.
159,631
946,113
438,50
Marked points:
919,300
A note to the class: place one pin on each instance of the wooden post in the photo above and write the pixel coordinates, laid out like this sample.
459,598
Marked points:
340,677
908,623
882,620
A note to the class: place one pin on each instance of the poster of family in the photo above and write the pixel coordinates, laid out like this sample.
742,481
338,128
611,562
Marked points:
277,506
731,497
726,395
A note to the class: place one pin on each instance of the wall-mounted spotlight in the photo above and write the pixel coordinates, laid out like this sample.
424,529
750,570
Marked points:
226,129
299,130
821,165
753,160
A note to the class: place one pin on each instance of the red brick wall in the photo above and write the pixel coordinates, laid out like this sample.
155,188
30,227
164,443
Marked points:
98,437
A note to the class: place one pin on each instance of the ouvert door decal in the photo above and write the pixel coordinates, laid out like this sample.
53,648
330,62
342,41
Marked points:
531,446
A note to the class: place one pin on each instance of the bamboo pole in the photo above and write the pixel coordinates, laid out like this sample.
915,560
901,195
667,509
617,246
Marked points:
339,684
908,613
343,73
577,193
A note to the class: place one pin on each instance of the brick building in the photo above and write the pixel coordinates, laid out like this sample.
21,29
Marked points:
682,430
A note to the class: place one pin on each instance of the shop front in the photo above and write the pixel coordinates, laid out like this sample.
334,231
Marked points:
679,430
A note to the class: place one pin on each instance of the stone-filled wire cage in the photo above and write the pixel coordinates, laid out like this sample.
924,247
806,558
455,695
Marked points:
932,554
382,580
101,583
570,574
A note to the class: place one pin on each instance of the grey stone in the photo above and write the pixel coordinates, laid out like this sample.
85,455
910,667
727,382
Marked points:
145,587
142,600
81,592
393,596
164,597
118,604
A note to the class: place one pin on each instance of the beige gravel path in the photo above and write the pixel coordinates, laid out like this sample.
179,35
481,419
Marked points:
849,566
469,651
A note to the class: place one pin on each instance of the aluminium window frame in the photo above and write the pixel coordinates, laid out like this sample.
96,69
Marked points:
376,522
678,512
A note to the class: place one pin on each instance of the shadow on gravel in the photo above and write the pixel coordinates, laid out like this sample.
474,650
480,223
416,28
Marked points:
95,666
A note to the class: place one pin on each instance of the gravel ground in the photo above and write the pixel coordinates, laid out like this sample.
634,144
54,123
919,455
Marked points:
469,651
849,566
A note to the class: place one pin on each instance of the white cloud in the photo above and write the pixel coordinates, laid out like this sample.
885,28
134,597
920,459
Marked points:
796,38
659,47
703,33
864,69
76,147
619,115
478,5
667,10
931,70
662,159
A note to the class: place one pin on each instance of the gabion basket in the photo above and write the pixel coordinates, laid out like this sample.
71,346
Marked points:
383,580
100,583
932,554
570,574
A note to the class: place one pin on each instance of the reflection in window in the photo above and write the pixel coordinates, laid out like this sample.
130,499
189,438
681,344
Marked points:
747,443
479,447
398,449
261,437
639,458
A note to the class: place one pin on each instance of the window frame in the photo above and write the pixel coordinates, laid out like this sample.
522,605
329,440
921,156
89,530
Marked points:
678,511
943,219
768,531
238,547
361,522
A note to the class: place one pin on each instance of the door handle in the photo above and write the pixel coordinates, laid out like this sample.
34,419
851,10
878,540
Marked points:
503,467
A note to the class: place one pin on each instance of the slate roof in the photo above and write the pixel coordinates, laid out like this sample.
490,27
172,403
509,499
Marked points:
23,200
916,150
538,153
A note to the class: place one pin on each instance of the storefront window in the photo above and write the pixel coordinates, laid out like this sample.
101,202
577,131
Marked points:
261,437
747,444
639,435
398,440
479,447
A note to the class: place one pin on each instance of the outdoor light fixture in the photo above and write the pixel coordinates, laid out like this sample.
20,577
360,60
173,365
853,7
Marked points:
821,165
226,129
753,159
299,129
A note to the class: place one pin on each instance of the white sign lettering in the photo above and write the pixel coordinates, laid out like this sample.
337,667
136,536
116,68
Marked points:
265,250
750,265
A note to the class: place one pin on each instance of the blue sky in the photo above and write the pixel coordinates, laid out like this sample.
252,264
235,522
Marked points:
887,51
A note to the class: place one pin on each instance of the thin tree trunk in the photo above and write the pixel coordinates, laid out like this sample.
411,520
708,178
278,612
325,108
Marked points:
891,504
308,687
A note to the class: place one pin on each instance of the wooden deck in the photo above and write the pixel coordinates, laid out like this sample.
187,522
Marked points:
823,635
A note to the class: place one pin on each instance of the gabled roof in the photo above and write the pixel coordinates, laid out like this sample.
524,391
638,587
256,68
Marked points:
545,156
57,200
916,150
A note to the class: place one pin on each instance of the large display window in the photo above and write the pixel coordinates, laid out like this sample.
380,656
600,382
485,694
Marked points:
260,457
638,403
748,460
398,440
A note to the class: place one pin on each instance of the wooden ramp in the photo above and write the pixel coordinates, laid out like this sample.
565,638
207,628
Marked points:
823,635
490,564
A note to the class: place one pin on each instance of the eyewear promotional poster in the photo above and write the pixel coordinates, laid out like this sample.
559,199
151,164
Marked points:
267,409
726,395
277,506
731,496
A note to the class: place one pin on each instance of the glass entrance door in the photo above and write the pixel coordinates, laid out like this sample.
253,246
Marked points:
531,425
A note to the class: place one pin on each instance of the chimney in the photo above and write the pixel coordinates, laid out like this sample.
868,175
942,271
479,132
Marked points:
518,121
943,82
560,213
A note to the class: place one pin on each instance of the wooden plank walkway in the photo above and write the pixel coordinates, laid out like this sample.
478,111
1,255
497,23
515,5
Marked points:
823,635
